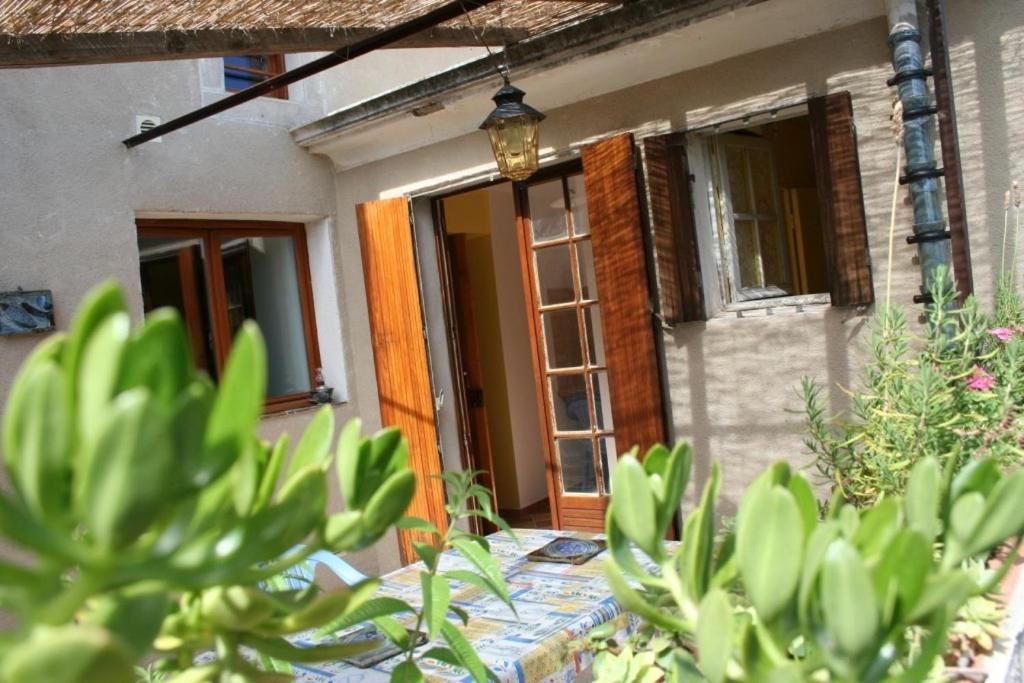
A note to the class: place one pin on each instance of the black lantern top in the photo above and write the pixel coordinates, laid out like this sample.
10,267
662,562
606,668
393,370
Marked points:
509,105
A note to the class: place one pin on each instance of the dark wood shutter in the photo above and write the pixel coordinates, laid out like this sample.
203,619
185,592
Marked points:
400,350
613,207
837,168
674,235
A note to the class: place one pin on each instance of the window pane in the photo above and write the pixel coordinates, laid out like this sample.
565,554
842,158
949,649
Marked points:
554,275
172,274
585,259
761,178
547,210
737,172
746,254
576,462
595,335
261,283
608,455
602,402
562,339
569,403
578,202
773,254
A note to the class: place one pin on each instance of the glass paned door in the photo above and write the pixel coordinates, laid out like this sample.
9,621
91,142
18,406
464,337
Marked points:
569,342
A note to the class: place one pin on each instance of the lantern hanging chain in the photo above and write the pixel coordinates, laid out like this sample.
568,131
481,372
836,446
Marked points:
498,68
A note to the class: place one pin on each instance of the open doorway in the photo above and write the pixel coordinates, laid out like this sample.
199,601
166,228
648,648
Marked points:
500,425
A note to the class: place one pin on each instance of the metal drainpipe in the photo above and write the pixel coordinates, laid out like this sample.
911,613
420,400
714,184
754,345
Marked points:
920,173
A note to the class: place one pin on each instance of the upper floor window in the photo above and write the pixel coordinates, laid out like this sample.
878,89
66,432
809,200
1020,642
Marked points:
764,212
765,206
244,71
219,274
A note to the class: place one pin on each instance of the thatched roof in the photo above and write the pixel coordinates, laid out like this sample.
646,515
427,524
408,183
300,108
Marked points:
37,32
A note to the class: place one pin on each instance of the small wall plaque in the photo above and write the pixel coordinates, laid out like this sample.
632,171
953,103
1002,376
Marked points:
23,312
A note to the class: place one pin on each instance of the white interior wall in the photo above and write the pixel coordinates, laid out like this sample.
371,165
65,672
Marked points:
527,435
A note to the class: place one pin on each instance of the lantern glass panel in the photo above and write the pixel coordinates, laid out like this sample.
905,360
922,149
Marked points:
514,142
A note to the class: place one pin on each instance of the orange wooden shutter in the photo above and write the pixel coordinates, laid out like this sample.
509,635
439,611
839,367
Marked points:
673,230
400,350
613,207
842,202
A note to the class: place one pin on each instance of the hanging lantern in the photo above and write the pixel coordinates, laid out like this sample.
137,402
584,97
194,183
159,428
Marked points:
513,128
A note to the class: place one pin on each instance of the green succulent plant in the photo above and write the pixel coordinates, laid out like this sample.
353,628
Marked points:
146,516
862,595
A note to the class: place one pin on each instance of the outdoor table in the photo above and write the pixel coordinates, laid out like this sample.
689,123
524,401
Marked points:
557,603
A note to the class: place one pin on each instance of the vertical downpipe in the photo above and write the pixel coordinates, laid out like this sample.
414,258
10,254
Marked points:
920,173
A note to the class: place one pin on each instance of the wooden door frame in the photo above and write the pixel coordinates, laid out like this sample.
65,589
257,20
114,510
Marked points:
470,457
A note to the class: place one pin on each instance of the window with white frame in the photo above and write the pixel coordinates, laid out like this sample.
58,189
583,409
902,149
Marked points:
764,211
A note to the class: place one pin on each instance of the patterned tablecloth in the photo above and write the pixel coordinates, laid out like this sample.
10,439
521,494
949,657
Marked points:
557,605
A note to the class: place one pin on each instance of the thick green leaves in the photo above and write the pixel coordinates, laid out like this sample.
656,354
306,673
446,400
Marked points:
714,635
77,653
128,465
847,596
769,548
39,435
923,497
239,402
635,512
389,502
315,444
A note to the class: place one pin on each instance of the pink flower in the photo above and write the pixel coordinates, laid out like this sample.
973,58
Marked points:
980,380
1003,334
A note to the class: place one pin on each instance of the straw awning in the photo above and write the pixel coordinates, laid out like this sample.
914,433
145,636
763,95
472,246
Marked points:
48,32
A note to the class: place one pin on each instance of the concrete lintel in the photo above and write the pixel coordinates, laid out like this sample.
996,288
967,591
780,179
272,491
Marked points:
600,33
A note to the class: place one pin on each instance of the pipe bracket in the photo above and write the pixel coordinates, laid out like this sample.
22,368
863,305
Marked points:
908,75
923,299
921,174
928,236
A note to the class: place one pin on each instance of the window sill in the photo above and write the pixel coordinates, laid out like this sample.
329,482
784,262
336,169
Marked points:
297,406
781,305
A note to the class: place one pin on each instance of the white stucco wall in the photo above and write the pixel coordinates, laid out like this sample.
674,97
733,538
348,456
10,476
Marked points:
70,193
732,380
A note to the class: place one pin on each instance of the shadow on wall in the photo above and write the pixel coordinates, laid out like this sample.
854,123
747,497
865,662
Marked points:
734,387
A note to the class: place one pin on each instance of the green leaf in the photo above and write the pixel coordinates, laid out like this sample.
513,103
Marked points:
99,373
130,462
966,515
980,476
695,556
847,598
878,526
389,502
715,634
271,472
436,597
46,353
806,502
945,591
344,532
394,630
239,402
427,553
485,564
416,524
136,619
328,607
632,601
923,497
38,440
769,547
407,672
633,506
1003,516
279,648
443,655
466,654
817,546
100,303
347,460
79,653
371,609
159,357
314,446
